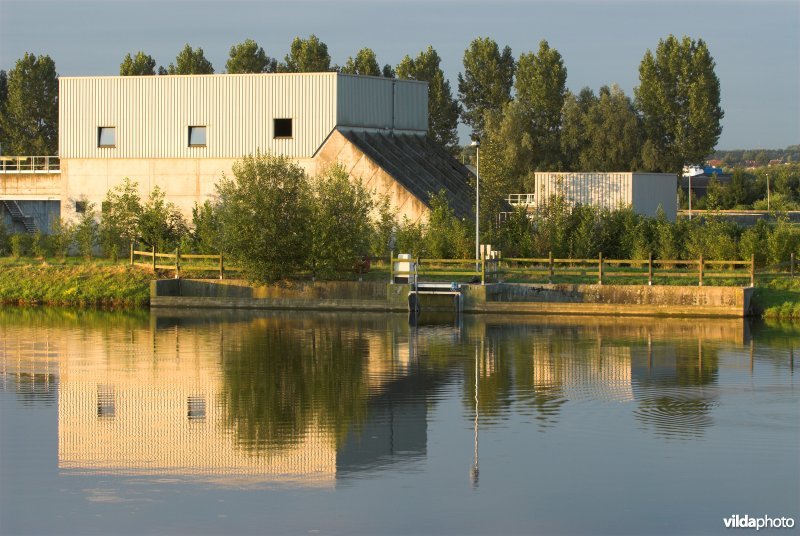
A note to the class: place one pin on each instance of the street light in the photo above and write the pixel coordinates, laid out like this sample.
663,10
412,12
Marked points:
476,142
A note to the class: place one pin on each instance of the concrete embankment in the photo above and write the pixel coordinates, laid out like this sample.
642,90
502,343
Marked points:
549,299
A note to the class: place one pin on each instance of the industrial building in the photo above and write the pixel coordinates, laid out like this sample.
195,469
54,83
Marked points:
181,133
643,192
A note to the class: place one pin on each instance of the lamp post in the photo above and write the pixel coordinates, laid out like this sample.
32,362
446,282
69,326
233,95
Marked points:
476,142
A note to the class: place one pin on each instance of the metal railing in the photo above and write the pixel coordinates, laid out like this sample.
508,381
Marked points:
521,199
441,269
30,164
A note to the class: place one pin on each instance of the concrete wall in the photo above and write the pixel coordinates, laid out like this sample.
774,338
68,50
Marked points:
30,186
337,149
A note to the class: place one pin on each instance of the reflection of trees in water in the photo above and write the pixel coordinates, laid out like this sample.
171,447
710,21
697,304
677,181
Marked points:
676,396
514,369
285,378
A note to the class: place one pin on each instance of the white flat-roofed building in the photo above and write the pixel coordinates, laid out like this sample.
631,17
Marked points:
643,192
181,133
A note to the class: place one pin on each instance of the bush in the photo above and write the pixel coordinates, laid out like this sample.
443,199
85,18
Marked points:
119,224
340,226
206,236
266,212
20,245
86,232
39,247
161,224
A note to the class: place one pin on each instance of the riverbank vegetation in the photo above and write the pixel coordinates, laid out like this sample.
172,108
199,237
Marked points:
81,283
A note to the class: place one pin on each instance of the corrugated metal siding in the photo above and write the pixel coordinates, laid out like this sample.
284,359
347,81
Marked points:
607,190
152,114
411,105
367,102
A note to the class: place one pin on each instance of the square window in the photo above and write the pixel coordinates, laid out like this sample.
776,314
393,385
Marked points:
106,136
197,136
282,128
106,402
80,207
196,408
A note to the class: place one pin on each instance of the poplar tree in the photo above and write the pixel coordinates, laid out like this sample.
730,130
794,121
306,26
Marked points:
365,63
29,116
443,110
541,89
248,57
679,99
307,56
486,83
190,61
139,65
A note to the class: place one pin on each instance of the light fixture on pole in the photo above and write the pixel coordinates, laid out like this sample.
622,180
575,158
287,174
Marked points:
476,142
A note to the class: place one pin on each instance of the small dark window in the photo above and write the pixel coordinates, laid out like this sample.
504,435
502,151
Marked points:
197,136
80,207
282,128
196,408
106,136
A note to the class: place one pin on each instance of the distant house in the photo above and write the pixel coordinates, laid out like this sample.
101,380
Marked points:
775,162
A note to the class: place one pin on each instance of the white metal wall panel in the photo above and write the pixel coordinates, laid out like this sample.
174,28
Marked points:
606,190
411,105
364,102
152,114
374,102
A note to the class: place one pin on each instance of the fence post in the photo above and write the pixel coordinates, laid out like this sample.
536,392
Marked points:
131,253
791,265
154,258
178,262
550,262
391,267
650,270
752,270
700,283
483,269
221,268
600,269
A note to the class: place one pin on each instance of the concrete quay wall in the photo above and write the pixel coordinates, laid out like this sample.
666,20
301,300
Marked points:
550,299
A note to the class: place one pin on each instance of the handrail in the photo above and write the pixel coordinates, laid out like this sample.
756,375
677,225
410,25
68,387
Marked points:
30,164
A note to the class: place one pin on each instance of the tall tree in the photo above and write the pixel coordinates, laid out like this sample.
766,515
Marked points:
678,98
248,57
139,65
365,63
541,89
191,61
307,56
601,133
486,83
443,110
3,98
29,119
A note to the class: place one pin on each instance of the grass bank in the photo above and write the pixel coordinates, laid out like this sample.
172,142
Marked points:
778,299
71,283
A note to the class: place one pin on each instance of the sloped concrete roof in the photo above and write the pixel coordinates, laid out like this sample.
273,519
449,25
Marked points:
420,165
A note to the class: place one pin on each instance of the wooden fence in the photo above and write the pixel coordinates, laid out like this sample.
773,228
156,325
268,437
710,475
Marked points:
600,270
178,262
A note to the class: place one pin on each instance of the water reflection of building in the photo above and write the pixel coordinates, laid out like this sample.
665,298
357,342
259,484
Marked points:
156,400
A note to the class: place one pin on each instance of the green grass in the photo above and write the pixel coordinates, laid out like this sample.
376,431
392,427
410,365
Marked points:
73,282
778,298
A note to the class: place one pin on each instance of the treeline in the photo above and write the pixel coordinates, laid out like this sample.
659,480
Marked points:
519,106
275,222
756,157
747,190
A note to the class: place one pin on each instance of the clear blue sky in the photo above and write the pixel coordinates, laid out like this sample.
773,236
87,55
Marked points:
755,43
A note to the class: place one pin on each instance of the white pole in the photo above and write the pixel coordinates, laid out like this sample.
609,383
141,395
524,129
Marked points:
477,201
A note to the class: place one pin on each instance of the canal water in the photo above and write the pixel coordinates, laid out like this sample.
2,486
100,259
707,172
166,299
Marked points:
221,422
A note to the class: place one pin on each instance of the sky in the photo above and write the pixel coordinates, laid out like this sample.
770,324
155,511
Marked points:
756,44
